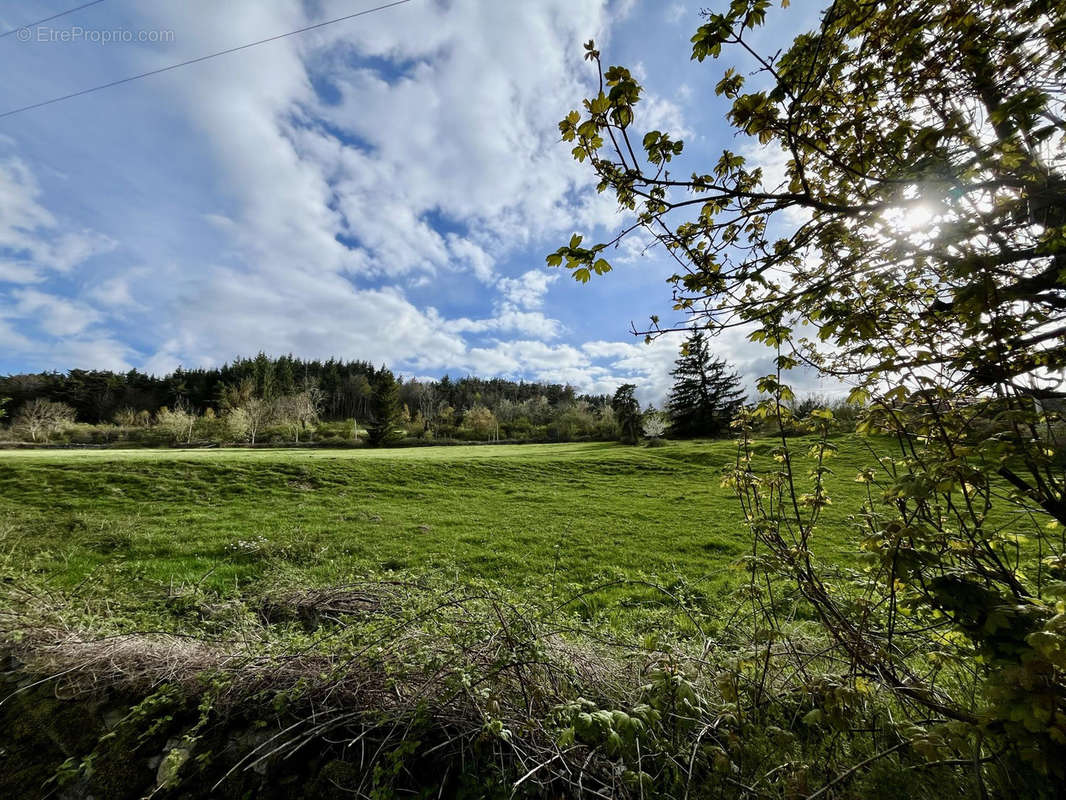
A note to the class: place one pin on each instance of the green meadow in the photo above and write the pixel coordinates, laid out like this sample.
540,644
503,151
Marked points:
575,573
529,519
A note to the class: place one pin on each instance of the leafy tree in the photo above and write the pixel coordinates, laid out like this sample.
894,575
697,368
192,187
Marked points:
385,410
572,420
178,423
918,228
706,394
607,424
481,420
126,417
3,406
235,395
284,377
627,413
236,425
264,373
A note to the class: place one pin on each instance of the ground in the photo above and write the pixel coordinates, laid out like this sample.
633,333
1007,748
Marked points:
531,518
461,611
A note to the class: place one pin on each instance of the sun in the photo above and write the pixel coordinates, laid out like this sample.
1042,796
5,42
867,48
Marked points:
917,218
915,222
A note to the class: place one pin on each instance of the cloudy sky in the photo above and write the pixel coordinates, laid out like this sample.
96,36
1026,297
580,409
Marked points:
384,188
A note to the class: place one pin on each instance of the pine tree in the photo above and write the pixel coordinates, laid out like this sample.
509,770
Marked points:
706,394
627,411
384,409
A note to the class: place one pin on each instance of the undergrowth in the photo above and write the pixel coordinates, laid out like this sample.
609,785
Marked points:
402,685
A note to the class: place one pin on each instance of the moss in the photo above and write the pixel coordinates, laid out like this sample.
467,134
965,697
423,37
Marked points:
334,778
38,733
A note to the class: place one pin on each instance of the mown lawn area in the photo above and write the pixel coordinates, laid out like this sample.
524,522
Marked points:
529,519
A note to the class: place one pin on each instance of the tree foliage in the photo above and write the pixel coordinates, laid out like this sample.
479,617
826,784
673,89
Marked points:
177,423
706,394
385,410
917,230
627,412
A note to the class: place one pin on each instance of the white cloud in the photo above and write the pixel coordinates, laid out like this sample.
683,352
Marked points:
445,160
509,319
114,293
465,252
441,156
528,289
32,236
19,272
56,316
659,113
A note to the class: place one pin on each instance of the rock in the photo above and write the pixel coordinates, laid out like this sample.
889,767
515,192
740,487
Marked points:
167,774
112,718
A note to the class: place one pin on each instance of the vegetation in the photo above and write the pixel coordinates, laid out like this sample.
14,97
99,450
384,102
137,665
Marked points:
42,419
706,396
507,513
626,410
919,231
385,410
260,401
147,557
812,615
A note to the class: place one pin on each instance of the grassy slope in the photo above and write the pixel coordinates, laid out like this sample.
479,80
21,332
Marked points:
526,517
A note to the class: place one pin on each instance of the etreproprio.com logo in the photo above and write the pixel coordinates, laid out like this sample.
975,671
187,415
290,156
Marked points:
44,34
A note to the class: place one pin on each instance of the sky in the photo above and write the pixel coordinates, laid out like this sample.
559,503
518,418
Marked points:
383,189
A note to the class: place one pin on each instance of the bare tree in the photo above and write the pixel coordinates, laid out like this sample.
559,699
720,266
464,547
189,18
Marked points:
257,414
300,410
41,419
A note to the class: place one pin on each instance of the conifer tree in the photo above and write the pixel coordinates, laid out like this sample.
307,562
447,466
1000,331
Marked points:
384,409
706,394
627,411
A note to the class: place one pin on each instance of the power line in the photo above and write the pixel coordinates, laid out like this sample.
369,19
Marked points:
49,19
201,58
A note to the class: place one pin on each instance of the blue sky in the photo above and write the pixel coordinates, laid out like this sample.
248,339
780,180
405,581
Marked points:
384,188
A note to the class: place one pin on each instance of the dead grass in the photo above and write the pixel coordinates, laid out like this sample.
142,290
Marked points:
366,660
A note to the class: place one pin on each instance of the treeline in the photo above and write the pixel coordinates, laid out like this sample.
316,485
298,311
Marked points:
346,388
265,399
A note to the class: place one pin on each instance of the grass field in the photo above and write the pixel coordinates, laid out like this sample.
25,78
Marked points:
507,592
530,519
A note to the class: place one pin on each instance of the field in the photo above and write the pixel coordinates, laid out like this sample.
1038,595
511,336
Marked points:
459,608
528,519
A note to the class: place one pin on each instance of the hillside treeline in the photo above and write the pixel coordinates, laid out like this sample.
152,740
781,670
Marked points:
268,399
